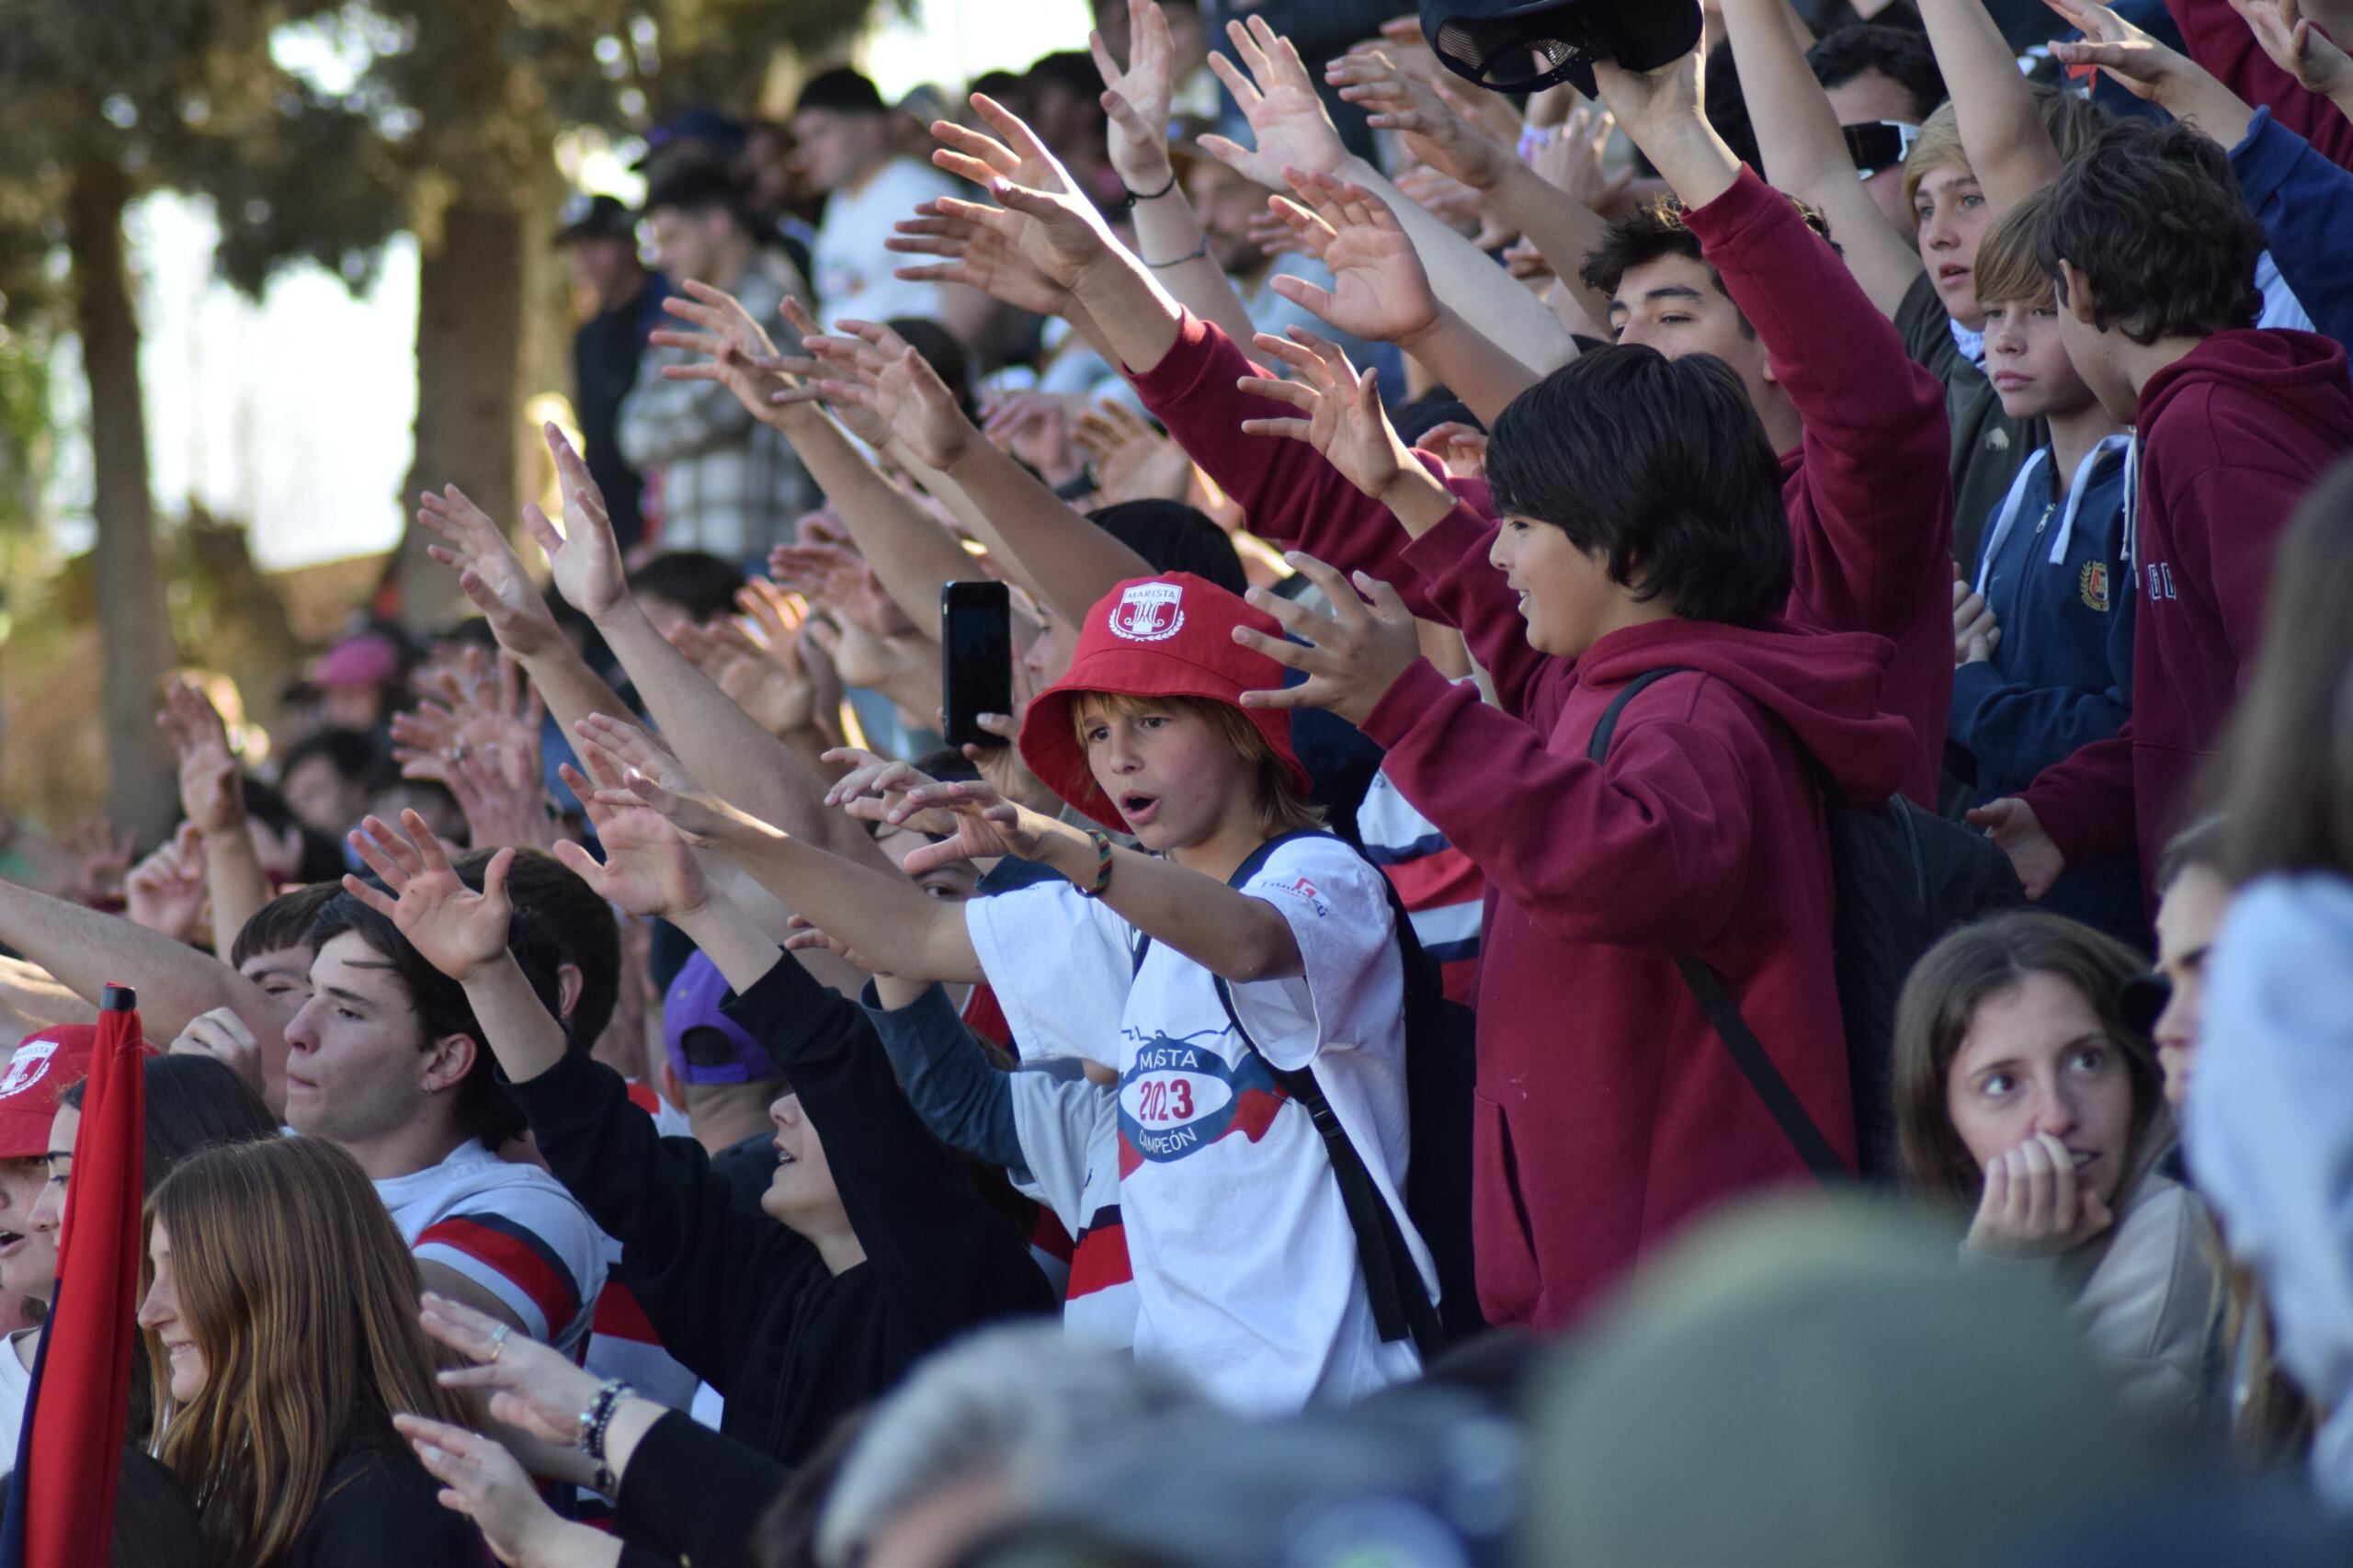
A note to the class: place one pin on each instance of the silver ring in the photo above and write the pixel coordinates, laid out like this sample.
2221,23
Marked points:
498,1340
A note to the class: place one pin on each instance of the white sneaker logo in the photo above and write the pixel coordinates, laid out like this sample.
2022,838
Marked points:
1149,612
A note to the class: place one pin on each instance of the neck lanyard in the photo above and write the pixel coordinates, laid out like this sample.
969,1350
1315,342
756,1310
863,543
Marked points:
2017,499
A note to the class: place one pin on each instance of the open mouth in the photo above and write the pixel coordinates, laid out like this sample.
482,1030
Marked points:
10,1242
1139,809
2083,1156
784,1156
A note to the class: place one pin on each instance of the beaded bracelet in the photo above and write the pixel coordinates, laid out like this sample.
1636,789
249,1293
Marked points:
598,1418
1102,842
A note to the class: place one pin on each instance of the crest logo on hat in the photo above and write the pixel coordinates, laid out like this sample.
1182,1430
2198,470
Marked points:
26,1067
1149,612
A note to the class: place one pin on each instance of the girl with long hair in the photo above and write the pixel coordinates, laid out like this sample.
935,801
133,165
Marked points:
280,1320
2024,1100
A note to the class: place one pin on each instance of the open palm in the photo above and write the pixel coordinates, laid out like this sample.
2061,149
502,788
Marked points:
648,869
1050,221
1139,121
456,929
489,571
585,556
1278,98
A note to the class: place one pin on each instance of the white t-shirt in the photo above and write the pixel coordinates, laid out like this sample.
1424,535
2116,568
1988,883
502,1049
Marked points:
511,1229
1069,1130
15,1387
1246,1267
853,271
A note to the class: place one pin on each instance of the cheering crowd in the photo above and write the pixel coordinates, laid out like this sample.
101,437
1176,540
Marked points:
1499,991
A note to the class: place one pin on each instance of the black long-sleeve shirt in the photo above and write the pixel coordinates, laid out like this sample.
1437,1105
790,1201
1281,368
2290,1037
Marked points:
692,1495
745,1304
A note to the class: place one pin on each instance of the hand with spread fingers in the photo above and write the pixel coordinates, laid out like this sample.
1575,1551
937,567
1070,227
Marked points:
536,1389
1136,99
1036,427
499,811
1132,462
483,1482
1571,160
212,788
1435,131
875,787
736,350
773,689
987,826
1342,416
839,581
584,555
978,255
1277,96
643,774
489,572
1048,220
1351,657
454,928
869,366
1380,291
648,869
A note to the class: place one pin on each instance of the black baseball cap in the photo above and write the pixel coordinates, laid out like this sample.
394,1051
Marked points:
1492,42
587,217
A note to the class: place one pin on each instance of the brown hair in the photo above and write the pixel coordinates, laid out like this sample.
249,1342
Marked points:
2288,787
2008,270
1940,999
1281,807
302,1299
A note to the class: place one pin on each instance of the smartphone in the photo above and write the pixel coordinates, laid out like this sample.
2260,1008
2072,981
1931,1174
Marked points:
976,658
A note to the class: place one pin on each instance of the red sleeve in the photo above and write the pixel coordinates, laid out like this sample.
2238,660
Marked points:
1634,851
2085,803
1292,493
1876,475
1466,592
2220,40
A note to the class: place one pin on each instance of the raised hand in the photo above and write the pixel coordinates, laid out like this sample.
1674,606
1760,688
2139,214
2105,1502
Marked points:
876,786
648,869
987,826
1380,291
222,1036
1044,214
499,811
1435,131
1344,419
2032,1206
212,788
1571,160
839,581
765,680
1137,98
872,367
978,255
1277,96
1659,108
165,891
489,572
584,555
639,773
98,859
1133,460
1352,656
2297,47
1035,426
457,931
2019,833
737,351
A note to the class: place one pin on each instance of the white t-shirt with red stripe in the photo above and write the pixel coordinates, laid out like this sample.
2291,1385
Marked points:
511,1229
1069,1131
1442,889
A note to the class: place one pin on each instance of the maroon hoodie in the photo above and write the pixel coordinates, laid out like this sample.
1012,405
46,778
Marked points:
1607,1110
2233,433
2220,40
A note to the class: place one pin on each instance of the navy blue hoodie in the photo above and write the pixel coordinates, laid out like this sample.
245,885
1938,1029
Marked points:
2055,577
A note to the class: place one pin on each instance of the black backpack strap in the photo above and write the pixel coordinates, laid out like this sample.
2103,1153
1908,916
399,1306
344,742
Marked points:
1747,1053
1392,1282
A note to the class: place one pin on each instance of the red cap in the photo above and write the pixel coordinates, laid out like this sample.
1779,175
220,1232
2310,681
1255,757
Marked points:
46,1061
1170,636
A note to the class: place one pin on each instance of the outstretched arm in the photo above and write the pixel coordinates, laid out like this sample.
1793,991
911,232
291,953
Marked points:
212,794
1805,152
2147,69
2009,148
2318,65
711,732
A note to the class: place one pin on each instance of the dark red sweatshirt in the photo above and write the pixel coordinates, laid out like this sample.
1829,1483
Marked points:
1607,1111
2220,40
1869,492
2233,433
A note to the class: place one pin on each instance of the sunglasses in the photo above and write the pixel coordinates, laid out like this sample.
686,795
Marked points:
1878,145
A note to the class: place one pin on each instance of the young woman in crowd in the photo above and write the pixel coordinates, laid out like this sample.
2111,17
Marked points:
2024,1099
279,1312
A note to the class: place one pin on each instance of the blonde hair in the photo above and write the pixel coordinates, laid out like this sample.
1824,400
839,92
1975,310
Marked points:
302,1298
2073,123
1281,807
1938,144
2006,268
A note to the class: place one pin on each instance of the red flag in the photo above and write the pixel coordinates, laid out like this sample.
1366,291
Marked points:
81,1394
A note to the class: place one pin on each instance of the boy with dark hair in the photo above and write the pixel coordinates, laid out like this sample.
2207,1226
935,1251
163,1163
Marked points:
1883,83
1643,538
2152,253
686,586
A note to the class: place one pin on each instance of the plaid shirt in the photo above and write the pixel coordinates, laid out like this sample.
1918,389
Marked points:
720,480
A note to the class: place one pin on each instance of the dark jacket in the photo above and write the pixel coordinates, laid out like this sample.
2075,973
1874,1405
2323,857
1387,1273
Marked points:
379,1510
2233,433
747,1304
2305,204
605,352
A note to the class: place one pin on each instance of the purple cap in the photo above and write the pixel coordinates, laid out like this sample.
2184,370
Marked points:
693,1003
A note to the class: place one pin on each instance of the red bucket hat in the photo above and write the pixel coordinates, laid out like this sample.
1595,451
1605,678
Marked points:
1169,636
45,1064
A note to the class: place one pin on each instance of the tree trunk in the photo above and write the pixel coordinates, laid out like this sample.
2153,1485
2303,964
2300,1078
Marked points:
469,345
134,626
